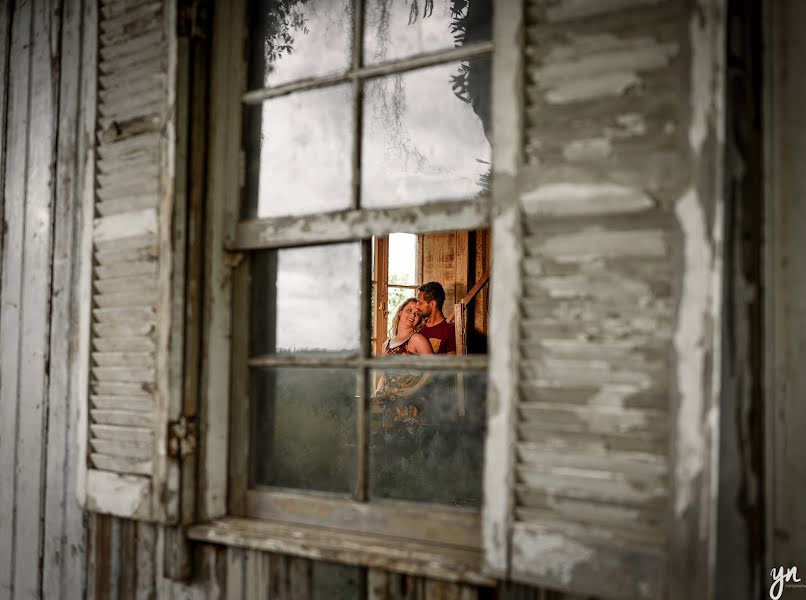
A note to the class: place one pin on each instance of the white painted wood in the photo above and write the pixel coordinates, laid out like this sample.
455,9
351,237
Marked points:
505,284
353,224
64,539
133,287
82,307
228,78
11,290
118,494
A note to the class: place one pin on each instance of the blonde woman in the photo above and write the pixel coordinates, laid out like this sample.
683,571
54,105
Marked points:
397,392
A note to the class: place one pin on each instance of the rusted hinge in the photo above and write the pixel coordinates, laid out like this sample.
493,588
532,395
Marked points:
182,437
193,19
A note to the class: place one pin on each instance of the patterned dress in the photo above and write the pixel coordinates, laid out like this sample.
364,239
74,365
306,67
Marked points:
401,411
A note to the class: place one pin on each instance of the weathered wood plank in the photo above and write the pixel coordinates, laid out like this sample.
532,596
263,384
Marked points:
257,575
136,451
507,105
64,540
236,572
123,418
35,300
121,464
300,576
146,560
123,434
11,308
225,120
450,564
542,555
349,225
100,531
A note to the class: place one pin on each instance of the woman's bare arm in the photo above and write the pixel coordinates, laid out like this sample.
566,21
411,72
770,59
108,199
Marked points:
418,344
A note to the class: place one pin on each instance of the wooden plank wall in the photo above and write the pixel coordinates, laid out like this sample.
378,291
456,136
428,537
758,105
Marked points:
41,525
124,562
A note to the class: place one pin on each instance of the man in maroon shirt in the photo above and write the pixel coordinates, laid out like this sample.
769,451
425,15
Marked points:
436,329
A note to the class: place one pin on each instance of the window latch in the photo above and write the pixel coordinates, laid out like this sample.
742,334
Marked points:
182,437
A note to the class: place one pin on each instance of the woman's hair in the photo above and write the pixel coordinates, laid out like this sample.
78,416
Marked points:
396,318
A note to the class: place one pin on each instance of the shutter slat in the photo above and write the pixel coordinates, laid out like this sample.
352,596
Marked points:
122,403
121,464
123,418
117,449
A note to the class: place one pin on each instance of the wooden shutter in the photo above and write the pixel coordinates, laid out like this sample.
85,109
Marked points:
134,296
598,449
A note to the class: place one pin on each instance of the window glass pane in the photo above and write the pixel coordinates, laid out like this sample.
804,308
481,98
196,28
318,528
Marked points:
299,150
293,40
426,135
303,428
427,436
395,30
305,299
403,258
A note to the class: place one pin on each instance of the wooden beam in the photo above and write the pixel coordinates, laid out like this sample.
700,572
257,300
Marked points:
357,224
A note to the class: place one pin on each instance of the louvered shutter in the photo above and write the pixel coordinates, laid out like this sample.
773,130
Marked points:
597,455
134,366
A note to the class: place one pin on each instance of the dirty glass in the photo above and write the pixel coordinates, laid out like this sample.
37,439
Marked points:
426,135
303,428
425,429
305,300
394,30
292,40
299,149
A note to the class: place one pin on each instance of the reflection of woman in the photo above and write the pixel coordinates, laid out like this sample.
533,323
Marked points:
397,392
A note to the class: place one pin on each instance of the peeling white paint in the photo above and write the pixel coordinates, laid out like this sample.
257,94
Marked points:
643,54
590,88
588,150
550,553
576,9
115,494
593,243
578,199
629,125
690,346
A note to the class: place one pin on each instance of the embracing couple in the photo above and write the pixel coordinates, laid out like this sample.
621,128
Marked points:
419,325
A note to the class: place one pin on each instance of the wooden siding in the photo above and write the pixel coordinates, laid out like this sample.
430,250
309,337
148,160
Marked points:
123,564
42,550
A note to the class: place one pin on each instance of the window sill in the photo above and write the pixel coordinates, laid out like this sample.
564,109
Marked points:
460,565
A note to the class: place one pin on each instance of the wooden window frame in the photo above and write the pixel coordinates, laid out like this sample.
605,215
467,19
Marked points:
224,495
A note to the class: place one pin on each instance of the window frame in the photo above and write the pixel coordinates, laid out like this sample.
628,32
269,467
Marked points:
232,239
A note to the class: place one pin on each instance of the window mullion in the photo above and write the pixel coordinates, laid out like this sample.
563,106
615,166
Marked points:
364,375
365,284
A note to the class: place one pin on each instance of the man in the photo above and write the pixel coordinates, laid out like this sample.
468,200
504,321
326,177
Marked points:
436,329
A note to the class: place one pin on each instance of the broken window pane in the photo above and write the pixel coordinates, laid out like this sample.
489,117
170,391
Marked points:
427,436
426,135
303,428
292,40
395,30
305,300
299,151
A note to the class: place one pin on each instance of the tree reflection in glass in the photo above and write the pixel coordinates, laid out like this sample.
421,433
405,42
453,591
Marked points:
298,39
